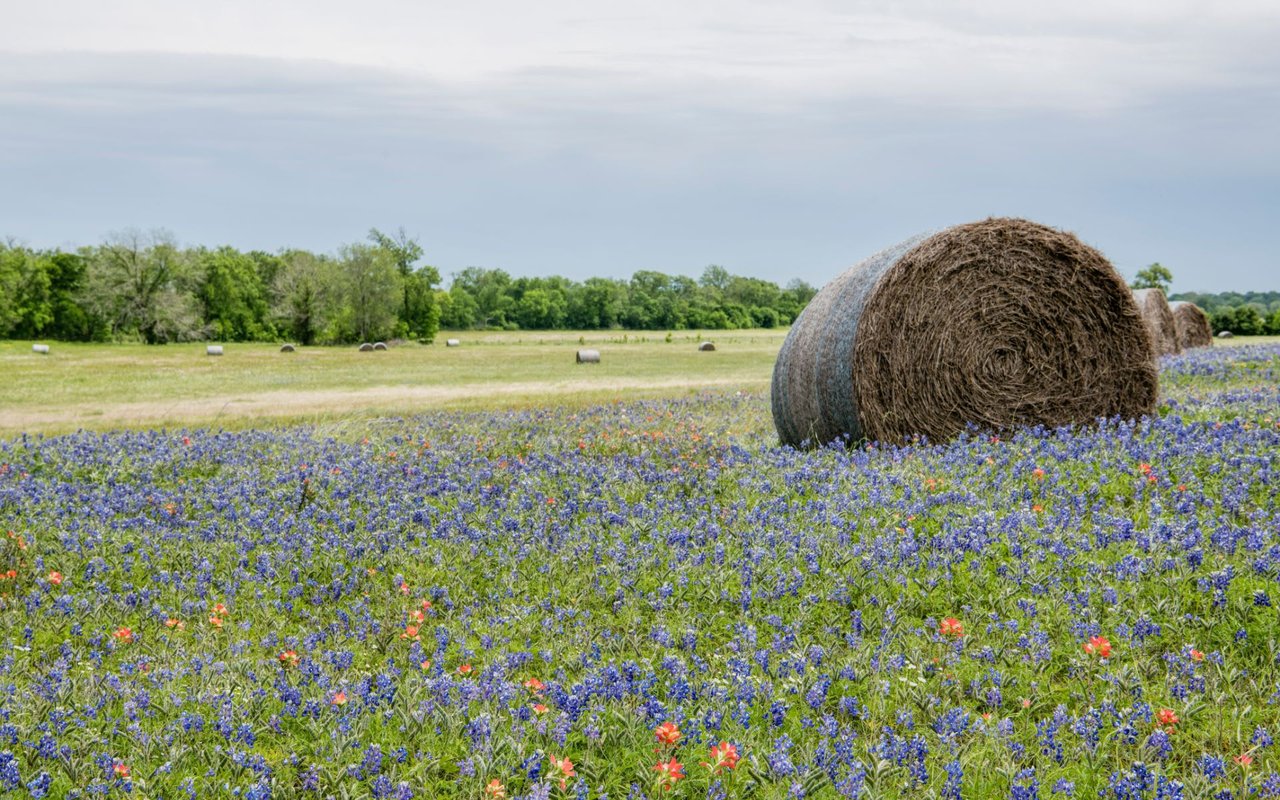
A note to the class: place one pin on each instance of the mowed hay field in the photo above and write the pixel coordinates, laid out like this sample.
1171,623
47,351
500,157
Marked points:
95,386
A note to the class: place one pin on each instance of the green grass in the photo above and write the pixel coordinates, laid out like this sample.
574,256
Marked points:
105,386
109,386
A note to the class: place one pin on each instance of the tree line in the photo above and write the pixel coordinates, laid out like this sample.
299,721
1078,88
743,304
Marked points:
1243,313
138,286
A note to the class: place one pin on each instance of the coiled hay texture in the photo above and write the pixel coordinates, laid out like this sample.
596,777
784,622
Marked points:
1160,322
995,324
1192,325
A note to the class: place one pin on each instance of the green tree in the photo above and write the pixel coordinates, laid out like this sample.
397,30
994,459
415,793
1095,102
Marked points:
232,298
140,285
370,292
419,315
305,294
1154,276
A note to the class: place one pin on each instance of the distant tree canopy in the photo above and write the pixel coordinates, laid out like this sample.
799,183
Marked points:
1154,276
142,286
1248,314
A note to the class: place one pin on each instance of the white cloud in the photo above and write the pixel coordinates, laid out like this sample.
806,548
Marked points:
1083,56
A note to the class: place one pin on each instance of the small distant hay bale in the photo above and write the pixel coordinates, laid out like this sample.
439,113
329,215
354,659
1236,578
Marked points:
994,324
43,349
452,343
707,347
1160,323
213,350
379,345
588,356
1192,325
367,347
287,348
1226,335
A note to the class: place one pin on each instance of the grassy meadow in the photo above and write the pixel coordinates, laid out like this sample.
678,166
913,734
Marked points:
429,584
100,386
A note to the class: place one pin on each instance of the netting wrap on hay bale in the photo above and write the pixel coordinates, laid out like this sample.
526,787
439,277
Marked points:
588,357
1192,325
43,349
367,347
997,324
1160,323
213,350
451,343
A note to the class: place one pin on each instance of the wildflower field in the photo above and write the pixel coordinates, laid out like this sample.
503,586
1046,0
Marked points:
650,599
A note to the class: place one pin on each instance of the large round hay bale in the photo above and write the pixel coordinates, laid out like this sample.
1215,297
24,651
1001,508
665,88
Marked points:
42,349
367,347
451,343
1192,325
287,348
707,347
588,356
213,350
994,324
1225,335
1160,323
379,345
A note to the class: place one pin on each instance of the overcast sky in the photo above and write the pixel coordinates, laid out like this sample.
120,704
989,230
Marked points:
585,137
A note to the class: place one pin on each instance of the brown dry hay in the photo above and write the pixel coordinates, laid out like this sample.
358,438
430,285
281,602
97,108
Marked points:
1160,323
1192,325
996,324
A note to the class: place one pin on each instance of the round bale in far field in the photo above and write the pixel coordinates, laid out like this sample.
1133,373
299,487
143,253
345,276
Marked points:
588,356
213,350
367,347
379,345
707,347
451,342
43,349
287,348
1192,324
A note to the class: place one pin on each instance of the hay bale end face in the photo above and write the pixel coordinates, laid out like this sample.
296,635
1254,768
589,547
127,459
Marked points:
451,342
995,324
287,348
1192,325
213,350
1160,323
379,345
588,357
43,349
367,347
706,347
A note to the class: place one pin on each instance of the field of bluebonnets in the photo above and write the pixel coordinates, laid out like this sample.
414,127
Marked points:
650,599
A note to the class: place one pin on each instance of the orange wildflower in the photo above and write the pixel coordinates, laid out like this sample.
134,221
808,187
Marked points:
669,771
1099,646
667,733
723,755
566,770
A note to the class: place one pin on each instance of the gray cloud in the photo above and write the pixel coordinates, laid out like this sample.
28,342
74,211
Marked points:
590,171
